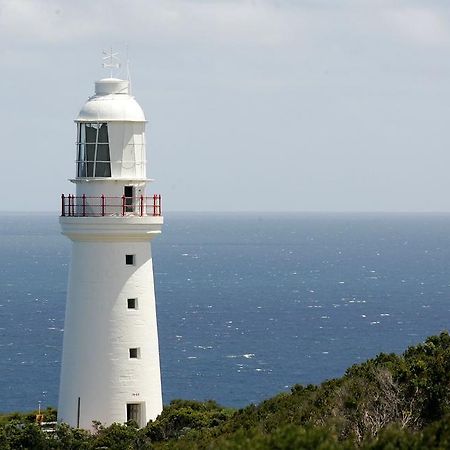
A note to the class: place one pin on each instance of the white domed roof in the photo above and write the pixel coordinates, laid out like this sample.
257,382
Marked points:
111,102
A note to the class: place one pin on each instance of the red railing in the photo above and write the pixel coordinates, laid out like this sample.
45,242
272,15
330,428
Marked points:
84,206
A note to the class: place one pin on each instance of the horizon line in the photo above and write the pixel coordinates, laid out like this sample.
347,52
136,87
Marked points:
185,211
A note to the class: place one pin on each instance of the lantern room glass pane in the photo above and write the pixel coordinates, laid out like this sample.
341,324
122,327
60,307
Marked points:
81,160
79,154
91,133
82,132
103,153
93,158
82,169
103,133
90,169
102,169
90,152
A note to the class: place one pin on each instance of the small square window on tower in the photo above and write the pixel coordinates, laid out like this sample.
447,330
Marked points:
129,260
135,353
132,303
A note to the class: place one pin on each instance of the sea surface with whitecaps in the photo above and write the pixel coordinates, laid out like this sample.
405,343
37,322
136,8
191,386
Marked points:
248,304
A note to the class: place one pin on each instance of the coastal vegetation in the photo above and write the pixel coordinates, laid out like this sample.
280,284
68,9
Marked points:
388,402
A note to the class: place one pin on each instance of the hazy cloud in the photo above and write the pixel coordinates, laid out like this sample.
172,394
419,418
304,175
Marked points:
229,21
422,25
261,23
294,104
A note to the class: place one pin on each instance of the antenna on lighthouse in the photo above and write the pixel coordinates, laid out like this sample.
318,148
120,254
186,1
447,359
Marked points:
128,70
111,61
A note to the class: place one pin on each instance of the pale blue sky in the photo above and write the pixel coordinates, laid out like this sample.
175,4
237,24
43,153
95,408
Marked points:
253,105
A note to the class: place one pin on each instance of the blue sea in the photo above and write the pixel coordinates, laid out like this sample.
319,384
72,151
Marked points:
248,304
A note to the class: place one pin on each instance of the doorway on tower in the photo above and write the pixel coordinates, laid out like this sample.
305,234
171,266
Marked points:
135,413
128,193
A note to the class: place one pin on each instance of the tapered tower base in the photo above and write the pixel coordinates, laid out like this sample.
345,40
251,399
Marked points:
110,365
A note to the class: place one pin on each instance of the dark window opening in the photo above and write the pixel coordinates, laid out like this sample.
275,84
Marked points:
132,303
128,192
129,260
134,353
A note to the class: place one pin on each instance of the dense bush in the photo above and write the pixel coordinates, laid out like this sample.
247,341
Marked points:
389,402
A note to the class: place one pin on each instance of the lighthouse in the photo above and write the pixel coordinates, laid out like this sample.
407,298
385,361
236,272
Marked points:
110,368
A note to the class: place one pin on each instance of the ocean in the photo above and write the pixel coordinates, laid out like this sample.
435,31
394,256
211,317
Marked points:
248,304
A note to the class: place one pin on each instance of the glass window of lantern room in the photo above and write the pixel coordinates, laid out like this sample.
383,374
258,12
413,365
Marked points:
102,165
103,133
91,141
93,150
81,157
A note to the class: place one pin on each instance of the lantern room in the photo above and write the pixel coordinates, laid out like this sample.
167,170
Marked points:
111,134
110,172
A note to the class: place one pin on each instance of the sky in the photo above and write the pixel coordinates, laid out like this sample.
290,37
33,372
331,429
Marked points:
253,105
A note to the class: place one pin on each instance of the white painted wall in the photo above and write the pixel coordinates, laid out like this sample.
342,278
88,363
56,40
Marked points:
110,188
114,188
99,328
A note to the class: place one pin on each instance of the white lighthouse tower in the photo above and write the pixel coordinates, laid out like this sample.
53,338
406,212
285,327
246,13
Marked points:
110,365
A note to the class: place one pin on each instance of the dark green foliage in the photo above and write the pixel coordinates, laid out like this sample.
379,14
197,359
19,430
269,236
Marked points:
393,438
118,437
436,435
17,435
388,402
427,375
182,416
71,438
283,438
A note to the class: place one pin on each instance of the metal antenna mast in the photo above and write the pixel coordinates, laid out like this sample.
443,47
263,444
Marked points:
128,69
111,61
